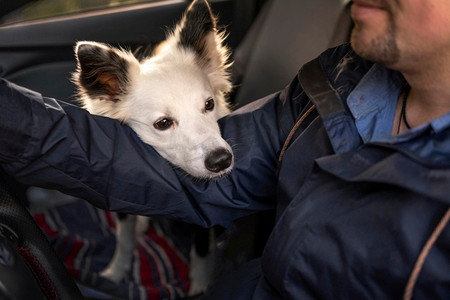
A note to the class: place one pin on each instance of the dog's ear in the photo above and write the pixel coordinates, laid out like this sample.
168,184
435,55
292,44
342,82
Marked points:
103,72
197,25
198,31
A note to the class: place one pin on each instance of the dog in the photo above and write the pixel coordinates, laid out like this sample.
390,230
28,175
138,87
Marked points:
172,99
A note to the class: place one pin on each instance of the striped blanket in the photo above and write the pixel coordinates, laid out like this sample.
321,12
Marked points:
84,238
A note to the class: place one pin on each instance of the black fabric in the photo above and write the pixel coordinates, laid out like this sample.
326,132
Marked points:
34,248
14,273
239,284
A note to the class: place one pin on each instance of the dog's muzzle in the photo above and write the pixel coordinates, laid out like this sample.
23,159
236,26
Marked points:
218,160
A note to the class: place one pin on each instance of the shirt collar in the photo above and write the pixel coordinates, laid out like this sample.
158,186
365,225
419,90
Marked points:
373,102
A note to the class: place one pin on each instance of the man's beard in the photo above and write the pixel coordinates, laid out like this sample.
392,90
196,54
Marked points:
382,49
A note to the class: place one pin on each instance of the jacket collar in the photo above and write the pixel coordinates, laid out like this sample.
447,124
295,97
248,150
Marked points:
424,157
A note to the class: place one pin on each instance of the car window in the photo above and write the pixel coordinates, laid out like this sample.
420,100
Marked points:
42,9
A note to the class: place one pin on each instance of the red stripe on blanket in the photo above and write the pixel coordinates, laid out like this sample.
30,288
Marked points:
110,219
75,273
73,253
180,266
147,276
42,222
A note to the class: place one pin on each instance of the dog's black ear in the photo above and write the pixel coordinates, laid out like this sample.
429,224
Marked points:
197,24
102,71
198,31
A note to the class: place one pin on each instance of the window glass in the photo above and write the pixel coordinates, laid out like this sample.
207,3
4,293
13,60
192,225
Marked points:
51,8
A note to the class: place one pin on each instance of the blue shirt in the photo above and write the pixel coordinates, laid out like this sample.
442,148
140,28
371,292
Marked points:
373,102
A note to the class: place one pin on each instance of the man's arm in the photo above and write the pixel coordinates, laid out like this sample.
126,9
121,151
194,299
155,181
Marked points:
52,144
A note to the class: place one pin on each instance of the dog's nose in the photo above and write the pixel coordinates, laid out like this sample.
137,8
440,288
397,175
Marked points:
218,160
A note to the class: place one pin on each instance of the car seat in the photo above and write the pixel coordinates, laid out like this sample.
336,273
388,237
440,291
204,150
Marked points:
285,35
29,267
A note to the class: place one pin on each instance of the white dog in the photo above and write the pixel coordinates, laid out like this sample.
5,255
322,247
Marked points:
171,99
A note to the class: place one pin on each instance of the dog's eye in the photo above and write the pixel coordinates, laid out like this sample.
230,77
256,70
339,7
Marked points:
163,124
209,104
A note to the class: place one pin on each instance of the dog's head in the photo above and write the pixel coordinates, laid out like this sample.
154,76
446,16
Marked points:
173,98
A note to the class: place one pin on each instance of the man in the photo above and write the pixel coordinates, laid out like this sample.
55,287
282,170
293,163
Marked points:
413,39
354,154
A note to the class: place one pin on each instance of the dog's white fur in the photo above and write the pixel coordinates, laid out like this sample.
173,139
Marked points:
177,84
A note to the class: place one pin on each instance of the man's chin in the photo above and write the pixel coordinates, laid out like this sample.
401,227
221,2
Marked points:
381,50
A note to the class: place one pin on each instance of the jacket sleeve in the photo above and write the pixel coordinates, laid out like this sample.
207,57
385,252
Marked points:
52,144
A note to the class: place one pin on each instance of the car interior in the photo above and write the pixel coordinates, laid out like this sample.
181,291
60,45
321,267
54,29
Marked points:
269,39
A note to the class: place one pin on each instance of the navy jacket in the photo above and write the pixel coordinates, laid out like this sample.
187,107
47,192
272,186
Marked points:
351,217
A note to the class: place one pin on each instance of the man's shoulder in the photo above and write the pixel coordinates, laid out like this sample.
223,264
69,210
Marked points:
343,67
